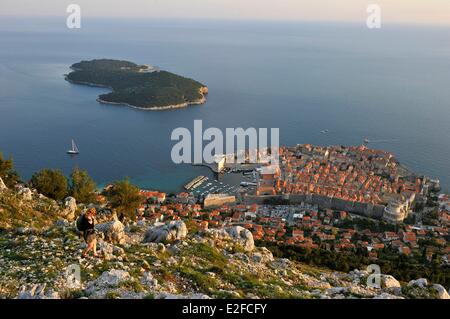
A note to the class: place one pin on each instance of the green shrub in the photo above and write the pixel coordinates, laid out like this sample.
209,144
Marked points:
125,197
82,187
51,183
7,171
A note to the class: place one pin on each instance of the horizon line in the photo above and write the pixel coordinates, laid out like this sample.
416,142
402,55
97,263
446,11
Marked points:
240,19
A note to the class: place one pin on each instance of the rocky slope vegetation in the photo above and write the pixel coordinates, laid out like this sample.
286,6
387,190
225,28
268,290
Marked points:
40,257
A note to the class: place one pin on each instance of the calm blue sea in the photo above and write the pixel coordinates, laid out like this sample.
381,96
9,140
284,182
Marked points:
389,85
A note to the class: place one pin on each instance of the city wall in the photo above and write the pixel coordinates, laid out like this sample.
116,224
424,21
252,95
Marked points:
324,202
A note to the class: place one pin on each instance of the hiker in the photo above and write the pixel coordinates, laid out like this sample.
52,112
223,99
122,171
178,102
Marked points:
86,225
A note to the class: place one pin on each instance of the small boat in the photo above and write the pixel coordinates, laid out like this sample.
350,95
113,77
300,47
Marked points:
366,141
324,131
74,149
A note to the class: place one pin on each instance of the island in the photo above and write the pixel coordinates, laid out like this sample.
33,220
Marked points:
138,86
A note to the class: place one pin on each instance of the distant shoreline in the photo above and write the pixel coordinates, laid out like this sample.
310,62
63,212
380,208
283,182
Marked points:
153,108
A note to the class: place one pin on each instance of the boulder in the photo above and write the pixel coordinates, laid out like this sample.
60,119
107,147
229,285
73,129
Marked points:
70,208
26,193
442,293
237,234
161,233
388,281
361,292
422,283
113,231
108,279
108,250
243,236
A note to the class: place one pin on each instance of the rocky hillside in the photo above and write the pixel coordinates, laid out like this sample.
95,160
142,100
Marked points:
40,247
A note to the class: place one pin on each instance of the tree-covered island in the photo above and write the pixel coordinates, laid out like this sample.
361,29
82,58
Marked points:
138,86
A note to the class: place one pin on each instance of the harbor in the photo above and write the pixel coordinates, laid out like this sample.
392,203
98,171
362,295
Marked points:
232,183
195,182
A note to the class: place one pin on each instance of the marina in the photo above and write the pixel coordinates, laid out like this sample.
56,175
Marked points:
214,187
195,182
230,183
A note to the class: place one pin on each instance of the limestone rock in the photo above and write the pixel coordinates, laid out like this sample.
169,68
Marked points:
70,208
113,231
174,230
388,281
238,234
108,279
108,250
443,294
361,292
244,236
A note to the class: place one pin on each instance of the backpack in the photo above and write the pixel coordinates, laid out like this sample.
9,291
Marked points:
80,225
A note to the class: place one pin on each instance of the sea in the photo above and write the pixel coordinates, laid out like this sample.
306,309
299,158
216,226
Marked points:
388,85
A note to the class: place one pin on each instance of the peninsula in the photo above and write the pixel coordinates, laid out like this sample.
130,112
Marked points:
138,86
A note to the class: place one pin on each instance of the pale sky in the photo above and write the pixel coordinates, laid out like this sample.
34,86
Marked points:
394,11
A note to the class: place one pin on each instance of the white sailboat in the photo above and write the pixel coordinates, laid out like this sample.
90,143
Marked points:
74,149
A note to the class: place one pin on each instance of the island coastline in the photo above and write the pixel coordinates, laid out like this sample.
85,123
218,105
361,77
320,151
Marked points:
155,108
163,85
